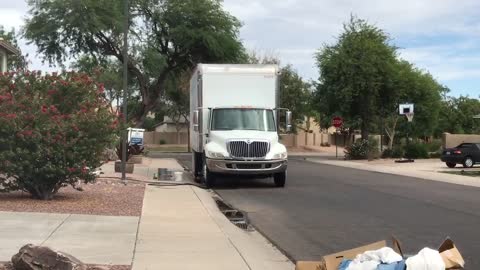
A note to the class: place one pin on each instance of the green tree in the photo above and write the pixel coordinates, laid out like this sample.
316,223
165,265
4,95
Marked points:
15,62
295,95
107,71
165,36
264,58
363,80
355,74
410,85
456,116
177,100
53,131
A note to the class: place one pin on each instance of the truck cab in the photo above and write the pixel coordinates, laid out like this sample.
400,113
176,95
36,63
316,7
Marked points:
235,122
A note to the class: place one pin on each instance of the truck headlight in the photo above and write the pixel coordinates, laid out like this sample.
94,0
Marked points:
215,154
283,155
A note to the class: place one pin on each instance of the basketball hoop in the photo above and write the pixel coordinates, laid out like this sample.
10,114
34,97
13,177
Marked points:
409,116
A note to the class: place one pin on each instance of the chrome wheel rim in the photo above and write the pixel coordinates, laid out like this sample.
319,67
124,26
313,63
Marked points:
469,162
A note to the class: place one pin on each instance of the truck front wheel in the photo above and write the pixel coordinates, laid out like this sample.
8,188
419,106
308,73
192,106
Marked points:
208,177
280,178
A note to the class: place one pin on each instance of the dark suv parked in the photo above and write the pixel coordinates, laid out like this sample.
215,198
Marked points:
466,153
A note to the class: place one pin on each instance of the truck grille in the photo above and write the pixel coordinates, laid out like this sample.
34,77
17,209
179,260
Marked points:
243,149
249,166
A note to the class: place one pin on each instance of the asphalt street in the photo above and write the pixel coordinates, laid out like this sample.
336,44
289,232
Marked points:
325,209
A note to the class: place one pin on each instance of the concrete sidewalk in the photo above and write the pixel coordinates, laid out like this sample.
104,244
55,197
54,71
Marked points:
182,228
92,239
144,171
424,169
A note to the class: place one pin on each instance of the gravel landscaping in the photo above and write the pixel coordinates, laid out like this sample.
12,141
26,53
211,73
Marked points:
105,197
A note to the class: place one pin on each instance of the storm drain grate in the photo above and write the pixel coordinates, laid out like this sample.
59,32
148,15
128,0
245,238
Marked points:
238,218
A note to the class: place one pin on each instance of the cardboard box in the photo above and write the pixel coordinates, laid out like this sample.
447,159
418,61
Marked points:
450,255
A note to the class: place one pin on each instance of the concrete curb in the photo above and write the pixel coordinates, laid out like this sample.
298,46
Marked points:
257,252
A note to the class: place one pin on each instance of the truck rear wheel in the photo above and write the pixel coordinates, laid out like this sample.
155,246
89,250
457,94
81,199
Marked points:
280,179
197,164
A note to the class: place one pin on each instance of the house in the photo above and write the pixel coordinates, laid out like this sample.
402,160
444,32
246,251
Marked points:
5,50
169,125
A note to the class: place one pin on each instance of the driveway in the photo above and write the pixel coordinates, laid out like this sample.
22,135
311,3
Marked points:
92,239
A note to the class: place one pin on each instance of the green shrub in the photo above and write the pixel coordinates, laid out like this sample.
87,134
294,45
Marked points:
362,149
396,152
54,130
149,124
435,154
373,149
162,141
416,150
434,146
387,153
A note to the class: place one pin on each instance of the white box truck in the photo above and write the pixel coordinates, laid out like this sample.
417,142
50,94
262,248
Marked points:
235,122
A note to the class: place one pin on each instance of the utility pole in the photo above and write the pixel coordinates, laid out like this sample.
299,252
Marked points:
125,91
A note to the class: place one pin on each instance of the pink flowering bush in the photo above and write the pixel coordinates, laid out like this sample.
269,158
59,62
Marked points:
53,131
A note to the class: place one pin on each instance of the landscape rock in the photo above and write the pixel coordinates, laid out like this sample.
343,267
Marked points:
31,257
98,267
6,266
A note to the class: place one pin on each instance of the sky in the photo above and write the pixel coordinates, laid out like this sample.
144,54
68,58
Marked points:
438,36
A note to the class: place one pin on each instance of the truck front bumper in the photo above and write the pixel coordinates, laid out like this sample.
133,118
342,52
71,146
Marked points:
256,167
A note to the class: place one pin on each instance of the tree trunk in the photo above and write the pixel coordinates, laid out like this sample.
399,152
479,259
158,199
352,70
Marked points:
365,131
142,115
390,143
391,132
42,193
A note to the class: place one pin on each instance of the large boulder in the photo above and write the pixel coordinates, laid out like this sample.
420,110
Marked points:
6,266
31,257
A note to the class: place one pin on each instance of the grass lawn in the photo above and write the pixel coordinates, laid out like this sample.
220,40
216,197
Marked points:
466,173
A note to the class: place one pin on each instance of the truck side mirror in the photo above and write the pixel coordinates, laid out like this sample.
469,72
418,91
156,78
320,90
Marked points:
289,121
195,120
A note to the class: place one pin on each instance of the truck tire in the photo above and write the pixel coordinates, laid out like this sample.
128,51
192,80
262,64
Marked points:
280,179
197,164
208,177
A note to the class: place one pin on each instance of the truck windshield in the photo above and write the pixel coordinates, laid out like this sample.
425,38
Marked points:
243,119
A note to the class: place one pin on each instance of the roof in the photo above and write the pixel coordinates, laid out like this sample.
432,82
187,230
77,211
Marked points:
9,48
238,68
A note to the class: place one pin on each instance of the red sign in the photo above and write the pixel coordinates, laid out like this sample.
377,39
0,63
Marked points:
337,121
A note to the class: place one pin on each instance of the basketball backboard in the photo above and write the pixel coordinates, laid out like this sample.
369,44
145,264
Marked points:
407,108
